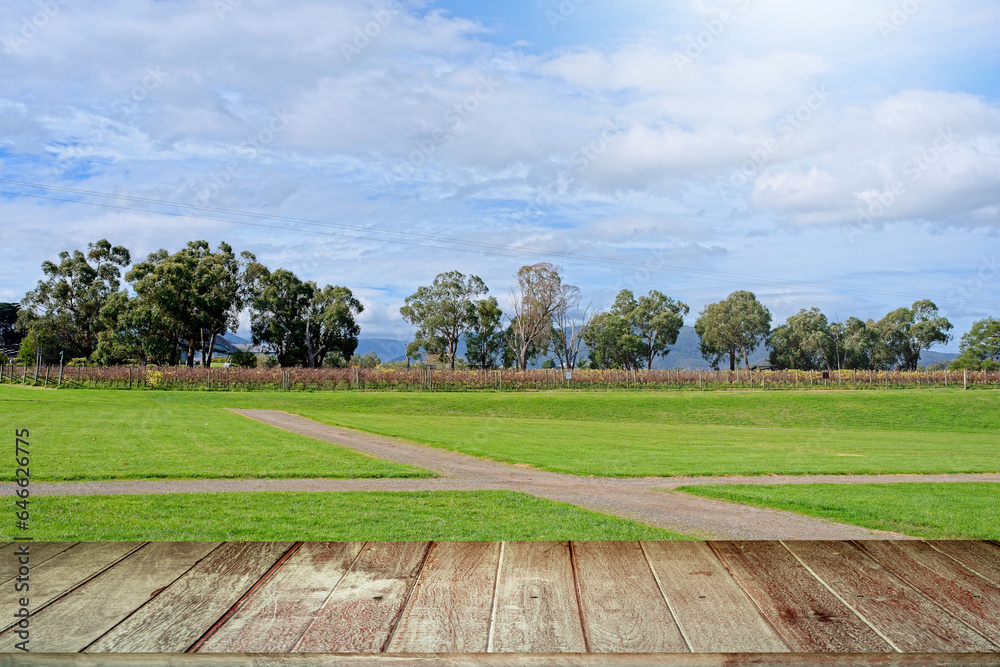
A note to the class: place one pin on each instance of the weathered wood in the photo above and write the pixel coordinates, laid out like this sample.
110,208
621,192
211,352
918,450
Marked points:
38,552
78,618
713,612
275,615
983,558
955,588
901,614
622,608
64,572
807,616
176,618
504,659
361,611
452,602
536,606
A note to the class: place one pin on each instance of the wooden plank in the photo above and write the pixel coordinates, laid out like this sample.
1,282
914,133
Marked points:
903,616
505,659
176,618
536,607
275,615
623,610
955,588
806,615
983,558
39,552
64,572
360,613
74,621
713,612
452,602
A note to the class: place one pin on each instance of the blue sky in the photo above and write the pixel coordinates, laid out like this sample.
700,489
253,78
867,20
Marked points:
844,155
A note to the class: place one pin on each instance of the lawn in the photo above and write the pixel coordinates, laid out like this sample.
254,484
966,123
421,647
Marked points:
94,434
372,515
969,510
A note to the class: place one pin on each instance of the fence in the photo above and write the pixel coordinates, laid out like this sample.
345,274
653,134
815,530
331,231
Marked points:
360,379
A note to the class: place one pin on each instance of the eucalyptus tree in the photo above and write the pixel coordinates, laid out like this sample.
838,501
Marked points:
734,327
443,312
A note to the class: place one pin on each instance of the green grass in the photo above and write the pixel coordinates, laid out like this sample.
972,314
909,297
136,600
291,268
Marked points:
968,510
150,434
96,435
372,515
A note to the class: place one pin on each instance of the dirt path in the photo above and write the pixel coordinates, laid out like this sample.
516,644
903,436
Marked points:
639,499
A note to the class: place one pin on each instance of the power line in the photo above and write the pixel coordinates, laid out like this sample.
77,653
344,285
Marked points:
436,241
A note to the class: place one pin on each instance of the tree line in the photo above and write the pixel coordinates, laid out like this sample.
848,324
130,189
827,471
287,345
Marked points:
179,303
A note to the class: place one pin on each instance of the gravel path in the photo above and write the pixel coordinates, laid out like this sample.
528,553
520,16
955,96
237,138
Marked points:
639,499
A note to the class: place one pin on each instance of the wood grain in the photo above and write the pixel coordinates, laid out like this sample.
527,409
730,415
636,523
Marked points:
808,616
64,572
77,619
39,553
275,615
452,603
536,607
714,613
898,611
982,558
176,618
954,588
361,611
622,608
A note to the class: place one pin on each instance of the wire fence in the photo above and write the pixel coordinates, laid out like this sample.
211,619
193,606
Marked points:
422,379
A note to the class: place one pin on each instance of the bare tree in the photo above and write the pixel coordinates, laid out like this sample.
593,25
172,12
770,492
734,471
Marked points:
568,325
539,293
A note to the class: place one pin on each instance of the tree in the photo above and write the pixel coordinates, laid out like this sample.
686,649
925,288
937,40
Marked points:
443,312
330,324
734,326
904,332
980,346
569,325
484,342
10,334
278,314
657,320
536,297
806,342
66,306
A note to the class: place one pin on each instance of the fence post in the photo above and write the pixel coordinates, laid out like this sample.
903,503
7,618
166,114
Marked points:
59,384
965,379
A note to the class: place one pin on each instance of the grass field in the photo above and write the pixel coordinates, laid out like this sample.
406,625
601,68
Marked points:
469,515
968,510
93,434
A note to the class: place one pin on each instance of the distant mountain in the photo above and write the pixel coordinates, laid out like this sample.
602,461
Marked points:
683,354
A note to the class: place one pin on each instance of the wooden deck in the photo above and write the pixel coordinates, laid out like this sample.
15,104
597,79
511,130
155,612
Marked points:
888,600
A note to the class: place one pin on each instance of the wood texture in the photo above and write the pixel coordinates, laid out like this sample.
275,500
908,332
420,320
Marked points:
452,603
903,615
361,611
956,589
64,572
713,612
808,616
275,615
536,606
622,608
39,553
77,619
982,558
176,618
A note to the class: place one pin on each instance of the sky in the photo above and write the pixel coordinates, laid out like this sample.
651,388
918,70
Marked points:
843,155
